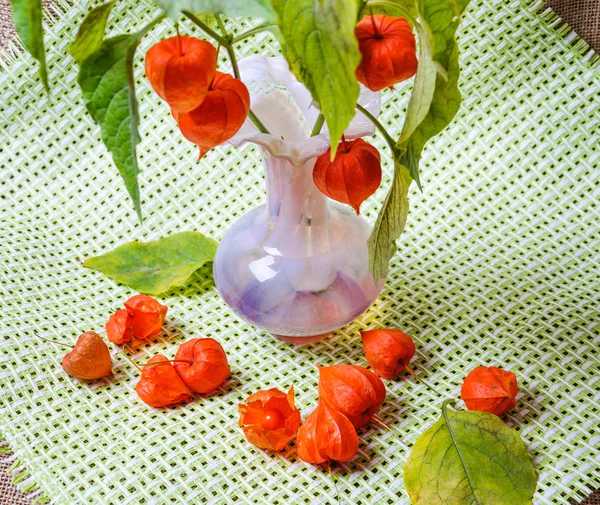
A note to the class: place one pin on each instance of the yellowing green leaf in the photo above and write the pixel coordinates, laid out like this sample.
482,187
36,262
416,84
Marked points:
423,87
390,223
436,98
322,51
469,457
91,32
249,8
154,267
27,17
433,103
442,109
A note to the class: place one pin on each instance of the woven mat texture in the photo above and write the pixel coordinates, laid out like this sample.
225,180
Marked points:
499,265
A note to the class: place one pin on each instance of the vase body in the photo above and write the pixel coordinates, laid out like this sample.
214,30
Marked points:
297,266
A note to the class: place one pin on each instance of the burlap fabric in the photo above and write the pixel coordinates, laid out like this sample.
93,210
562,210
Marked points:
583,16
9,494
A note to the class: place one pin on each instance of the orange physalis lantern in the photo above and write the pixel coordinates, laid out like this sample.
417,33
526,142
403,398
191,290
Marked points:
325,436
389,51
219,117
89,359
206,368
351,390
160,385
490,389
180,70
146,316
353,175
388,351
269,418
118,327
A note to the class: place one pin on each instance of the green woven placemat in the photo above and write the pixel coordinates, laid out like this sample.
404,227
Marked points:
499,265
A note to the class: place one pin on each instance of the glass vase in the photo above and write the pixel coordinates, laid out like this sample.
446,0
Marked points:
296,266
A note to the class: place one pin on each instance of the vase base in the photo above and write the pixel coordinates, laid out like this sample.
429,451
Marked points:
311,339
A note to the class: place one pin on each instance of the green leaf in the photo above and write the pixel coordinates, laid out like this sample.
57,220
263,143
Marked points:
154,267
444,106
322,52
106,80
390,223
469,457
433,103
91,32
248,8
423,87
442,17
394,8
435,98
27,17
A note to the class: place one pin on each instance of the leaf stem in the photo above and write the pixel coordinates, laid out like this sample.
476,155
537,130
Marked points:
380,422
380,127
332,477
179,40
360,10
168,361
150,25
418,378
236,72
253,31
225,40
318,125
462,459
257,122
128,359
53,341
205,28
233,59
221,24
375,29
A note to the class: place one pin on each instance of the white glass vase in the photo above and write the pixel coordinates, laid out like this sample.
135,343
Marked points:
296,266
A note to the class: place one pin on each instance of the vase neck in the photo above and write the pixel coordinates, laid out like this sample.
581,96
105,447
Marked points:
297,212
291,192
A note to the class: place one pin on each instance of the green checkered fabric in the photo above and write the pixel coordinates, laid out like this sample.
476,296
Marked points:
498,266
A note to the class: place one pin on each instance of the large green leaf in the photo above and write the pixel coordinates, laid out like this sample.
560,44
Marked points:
434,102
91,32
469,457
106,80
27,17
249,8
154,267
322,51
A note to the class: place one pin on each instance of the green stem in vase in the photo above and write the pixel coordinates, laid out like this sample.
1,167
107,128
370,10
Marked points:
318,125
380,127
236,72
253,31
